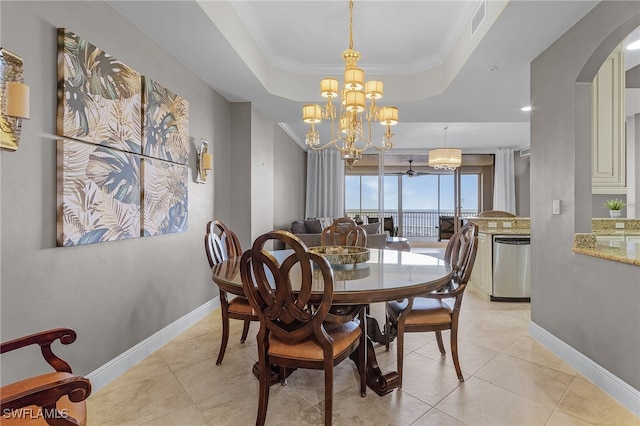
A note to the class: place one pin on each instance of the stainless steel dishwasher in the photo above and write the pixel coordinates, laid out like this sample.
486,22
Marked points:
511,268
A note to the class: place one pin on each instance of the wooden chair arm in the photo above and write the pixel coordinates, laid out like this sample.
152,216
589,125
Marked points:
76,388
44,339
448,294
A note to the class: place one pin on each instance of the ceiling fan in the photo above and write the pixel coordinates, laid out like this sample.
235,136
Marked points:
411,173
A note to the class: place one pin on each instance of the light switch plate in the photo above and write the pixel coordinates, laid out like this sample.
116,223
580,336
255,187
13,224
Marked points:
620,225
556,206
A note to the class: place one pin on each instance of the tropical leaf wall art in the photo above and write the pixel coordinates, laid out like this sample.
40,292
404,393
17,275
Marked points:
98,194
99,97
165,197
165,133
125,176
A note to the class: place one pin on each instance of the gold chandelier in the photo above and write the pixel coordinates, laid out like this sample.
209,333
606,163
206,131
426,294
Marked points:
445,158
347,128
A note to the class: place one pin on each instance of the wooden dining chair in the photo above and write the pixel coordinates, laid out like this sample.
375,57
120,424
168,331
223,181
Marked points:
221,244
292,334
344,232
387,225
56,398
439,310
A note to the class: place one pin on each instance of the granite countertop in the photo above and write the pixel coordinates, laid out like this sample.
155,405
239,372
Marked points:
505,231
623,232
624,252
608,226
495,225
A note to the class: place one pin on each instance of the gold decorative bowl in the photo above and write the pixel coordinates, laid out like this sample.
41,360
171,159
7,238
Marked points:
342,255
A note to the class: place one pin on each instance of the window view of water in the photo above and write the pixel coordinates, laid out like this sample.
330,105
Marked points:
415,203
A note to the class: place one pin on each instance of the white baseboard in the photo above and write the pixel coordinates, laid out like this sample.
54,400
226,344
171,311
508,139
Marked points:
618,389
123,362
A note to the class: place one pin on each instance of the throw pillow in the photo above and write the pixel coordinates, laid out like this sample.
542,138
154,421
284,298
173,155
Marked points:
328,221
314,226
371,228
297,227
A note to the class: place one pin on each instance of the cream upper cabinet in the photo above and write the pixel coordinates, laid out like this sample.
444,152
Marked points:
608,148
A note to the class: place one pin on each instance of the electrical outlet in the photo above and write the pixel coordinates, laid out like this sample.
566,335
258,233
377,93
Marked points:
493,224
506,224
620,225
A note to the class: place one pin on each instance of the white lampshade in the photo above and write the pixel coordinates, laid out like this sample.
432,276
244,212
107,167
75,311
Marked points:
312,113
445,158
389,116
329,87
207,161
16,99
374,89
354,101
354,79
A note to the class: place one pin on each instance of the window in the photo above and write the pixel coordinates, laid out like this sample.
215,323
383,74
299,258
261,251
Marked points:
415,203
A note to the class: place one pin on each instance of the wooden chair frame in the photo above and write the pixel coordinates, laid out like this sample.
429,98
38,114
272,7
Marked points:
47,390
461,254
387,225
220,244
344,232
287,318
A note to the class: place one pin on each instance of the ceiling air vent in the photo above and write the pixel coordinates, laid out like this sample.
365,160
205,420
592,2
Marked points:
478,18
524,152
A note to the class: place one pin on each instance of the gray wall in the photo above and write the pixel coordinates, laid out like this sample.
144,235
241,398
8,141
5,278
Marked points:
522,172
113,294
598,209
116,294
591,304
240,184
290,175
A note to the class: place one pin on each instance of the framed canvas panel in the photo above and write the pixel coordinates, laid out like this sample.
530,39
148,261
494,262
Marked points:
10,70
98,194
165,197
165,133
99,97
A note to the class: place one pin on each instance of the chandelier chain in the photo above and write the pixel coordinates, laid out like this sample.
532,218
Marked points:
351,24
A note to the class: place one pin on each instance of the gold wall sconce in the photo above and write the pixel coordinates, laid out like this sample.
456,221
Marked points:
205,161
14,99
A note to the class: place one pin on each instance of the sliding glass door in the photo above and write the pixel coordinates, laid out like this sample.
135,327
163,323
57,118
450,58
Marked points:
418,203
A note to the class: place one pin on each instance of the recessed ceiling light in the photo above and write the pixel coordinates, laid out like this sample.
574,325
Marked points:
634,46
526,108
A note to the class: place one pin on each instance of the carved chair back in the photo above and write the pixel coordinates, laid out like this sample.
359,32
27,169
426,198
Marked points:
282,305
220,243
344,232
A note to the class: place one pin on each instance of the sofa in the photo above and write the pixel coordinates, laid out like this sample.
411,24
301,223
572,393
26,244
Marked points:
309,231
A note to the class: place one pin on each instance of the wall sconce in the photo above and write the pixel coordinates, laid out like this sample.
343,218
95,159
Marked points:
14,99
205,161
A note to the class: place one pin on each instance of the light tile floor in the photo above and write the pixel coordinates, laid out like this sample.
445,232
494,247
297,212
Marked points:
510,380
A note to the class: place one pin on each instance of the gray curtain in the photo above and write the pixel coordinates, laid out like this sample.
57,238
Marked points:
325,184
504,190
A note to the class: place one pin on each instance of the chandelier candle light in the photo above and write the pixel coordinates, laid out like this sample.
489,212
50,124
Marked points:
347,128
445,158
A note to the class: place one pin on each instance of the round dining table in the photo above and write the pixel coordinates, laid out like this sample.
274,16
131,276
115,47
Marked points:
387,275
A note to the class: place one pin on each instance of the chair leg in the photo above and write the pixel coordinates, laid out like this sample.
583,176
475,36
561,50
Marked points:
440,343
454,353
362,354
225,334
400,352
264,378
387,331
245,331
328,392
